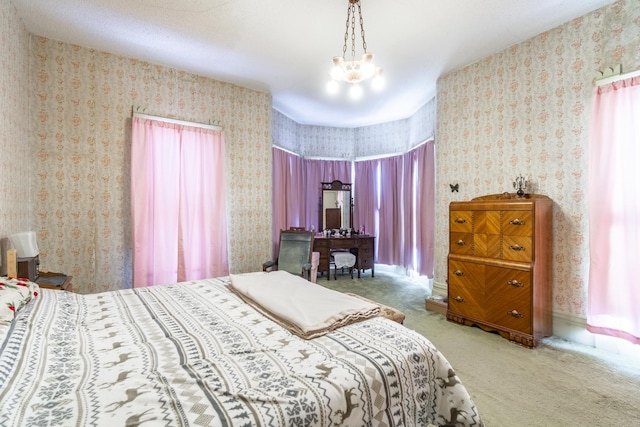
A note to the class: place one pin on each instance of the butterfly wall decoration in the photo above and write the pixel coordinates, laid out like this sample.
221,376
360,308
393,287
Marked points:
454,188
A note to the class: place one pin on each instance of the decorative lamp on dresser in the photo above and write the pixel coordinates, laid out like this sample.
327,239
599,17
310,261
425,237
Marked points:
499,265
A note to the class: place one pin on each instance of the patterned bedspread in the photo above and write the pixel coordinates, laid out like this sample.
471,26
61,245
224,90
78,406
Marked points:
193,354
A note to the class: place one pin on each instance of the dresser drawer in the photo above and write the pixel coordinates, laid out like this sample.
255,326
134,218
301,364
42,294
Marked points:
461,221
343,243
509,298
366,244
465,301
512,314
466,274
517,223
504,282
321,244
461,243
517,248
365,258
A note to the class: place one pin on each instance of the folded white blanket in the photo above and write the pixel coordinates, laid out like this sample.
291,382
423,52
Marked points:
306,309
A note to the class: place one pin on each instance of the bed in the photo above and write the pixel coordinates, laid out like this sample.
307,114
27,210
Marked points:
202,354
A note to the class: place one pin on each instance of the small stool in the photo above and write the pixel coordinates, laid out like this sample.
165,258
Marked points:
342,259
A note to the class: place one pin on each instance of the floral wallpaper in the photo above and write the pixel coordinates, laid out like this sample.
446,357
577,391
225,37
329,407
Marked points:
526,111
64,153
350,143
82,101
15,152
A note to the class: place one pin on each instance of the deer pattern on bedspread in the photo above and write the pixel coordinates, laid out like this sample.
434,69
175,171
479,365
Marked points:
194,354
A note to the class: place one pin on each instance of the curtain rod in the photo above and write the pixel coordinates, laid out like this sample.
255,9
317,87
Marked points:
611,79
177,122
356,159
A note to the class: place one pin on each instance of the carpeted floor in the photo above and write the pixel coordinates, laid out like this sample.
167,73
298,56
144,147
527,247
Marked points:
556,384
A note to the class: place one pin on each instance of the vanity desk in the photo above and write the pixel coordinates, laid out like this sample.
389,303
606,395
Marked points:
363,243
336,213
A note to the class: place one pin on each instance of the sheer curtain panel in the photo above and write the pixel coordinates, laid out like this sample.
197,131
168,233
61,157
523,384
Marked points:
288,193
178,203
614,211
395,200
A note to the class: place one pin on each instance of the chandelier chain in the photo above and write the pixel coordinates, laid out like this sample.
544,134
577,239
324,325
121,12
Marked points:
353,31
346,32
350,24
364,43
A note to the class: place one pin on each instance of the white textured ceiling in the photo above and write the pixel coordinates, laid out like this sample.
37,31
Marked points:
285,46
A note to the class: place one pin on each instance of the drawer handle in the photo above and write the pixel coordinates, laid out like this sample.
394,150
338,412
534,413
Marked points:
461,243
459,299
515,283
461,220
458,273
517,222
515,314
516,248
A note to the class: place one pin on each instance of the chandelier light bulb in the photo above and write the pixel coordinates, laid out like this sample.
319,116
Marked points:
355,91
338,70
367,69
333,87
378,81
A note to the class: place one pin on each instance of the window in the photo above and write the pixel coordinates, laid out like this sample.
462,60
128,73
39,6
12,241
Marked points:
614,211
178,202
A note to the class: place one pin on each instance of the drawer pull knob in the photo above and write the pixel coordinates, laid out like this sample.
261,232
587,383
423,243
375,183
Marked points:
461,220
515,283
516,248
517,222
459,299
515,314
461,243
458,273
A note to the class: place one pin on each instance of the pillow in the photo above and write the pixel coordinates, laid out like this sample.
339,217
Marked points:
14,295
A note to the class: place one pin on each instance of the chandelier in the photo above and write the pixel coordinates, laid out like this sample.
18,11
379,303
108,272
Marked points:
354,71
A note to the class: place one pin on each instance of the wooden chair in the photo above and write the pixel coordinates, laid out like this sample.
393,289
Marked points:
294,253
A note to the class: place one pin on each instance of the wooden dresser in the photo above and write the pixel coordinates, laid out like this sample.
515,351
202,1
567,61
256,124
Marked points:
364,244
499,265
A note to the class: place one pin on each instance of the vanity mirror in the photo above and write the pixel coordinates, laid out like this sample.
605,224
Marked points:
336,206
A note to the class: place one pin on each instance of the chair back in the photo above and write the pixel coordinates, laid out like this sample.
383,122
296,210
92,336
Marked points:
295,250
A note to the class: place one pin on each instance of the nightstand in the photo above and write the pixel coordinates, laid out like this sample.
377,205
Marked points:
56,281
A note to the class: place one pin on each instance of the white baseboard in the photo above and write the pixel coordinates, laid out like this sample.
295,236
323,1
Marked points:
439,288
574,328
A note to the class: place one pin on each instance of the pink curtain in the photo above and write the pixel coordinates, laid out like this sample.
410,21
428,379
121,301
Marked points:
614,211
395,200
178,203
288,194
392,222
419,212
365,194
